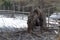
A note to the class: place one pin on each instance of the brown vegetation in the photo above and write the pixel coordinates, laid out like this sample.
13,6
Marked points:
58,37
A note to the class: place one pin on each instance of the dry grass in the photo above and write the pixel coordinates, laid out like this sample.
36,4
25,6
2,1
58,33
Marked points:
58,38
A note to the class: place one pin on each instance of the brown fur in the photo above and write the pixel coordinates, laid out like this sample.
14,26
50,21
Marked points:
35,19
32,19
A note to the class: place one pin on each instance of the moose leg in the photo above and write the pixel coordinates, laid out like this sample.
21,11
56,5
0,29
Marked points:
29,29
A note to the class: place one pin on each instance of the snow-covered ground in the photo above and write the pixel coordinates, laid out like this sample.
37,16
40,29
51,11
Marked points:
11,22
55,16
20,21
51,22
7,23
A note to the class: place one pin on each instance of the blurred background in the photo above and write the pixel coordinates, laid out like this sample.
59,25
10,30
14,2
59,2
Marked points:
14,14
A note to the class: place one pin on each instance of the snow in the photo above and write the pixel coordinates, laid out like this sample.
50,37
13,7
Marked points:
51,21
20,21
11,23
55,16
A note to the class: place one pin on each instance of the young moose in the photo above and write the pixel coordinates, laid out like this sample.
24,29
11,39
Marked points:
35,20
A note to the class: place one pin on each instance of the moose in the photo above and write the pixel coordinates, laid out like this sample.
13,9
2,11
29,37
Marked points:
35,19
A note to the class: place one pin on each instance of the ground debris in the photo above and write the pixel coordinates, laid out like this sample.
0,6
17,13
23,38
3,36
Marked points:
27,36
